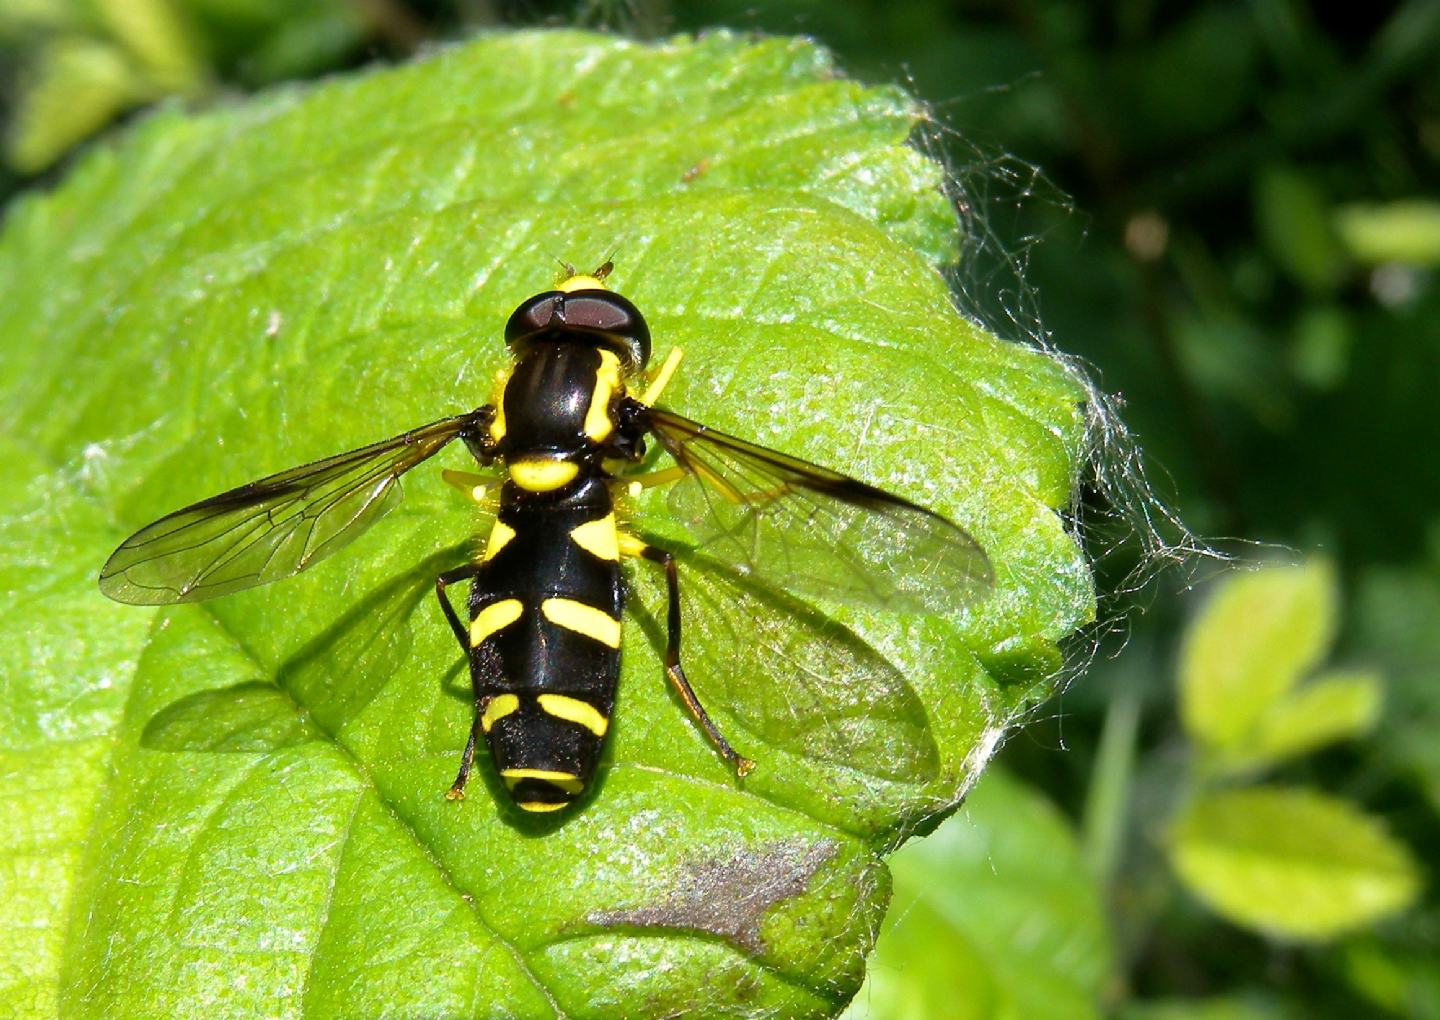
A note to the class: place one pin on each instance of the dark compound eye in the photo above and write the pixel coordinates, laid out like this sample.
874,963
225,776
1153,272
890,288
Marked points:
583,314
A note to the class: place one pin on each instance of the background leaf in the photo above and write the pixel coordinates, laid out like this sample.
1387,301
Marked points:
1249,646
1406,231
993,915
1291,862
1328,708
218,296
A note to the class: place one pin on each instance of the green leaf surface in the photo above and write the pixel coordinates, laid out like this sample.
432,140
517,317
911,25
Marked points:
1399,978
237,806
1291,862
1249,647
993,915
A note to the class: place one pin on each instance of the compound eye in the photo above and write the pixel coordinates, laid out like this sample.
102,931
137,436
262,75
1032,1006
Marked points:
535,315
601,314
600,311
620,322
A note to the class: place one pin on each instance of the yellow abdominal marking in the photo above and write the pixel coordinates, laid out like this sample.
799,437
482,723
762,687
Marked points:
543,475
574,710
500,536
541,805
566,781
595,624
498,708
598,423
598,538
495,616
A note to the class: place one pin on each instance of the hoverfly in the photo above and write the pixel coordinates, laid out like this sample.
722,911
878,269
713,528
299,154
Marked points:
546,593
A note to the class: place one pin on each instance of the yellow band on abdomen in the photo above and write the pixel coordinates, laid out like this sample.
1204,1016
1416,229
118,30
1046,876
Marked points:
582,713
598,538
595,624
568,782
500,536
498,708
495,616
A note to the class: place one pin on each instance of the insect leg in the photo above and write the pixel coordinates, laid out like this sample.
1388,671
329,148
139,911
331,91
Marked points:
468,482
467,758
662,377
464,573
673,668
484,668
636,484
485,673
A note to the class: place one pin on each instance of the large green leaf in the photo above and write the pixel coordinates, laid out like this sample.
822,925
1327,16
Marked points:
236,807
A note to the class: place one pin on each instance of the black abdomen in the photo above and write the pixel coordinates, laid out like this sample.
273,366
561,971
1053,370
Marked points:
545,638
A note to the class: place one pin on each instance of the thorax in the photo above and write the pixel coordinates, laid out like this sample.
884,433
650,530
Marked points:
557,403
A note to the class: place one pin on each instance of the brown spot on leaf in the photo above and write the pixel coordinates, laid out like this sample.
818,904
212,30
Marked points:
729,897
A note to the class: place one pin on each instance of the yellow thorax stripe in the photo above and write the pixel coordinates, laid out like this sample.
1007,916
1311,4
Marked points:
582,619
598,424
493,617
497,426
598,538
574,710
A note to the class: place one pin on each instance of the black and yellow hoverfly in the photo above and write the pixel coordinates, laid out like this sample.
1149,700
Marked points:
546,592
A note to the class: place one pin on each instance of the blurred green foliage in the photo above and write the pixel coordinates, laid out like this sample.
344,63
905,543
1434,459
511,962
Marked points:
1237,226
73,66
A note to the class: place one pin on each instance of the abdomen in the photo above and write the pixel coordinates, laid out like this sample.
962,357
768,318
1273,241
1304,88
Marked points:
545,614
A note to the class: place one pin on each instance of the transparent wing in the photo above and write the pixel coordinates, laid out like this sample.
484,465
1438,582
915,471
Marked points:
813,531
794,679
270,528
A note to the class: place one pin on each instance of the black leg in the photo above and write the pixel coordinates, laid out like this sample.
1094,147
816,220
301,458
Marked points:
464,573
672,663
457,788
485,675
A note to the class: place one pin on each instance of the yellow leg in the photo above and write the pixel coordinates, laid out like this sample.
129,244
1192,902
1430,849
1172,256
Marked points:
662,377
636,484
468,482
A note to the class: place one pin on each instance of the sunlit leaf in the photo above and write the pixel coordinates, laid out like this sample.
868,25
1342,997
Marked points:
1250,645
1290,862
1407,231
1329,708
240,803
